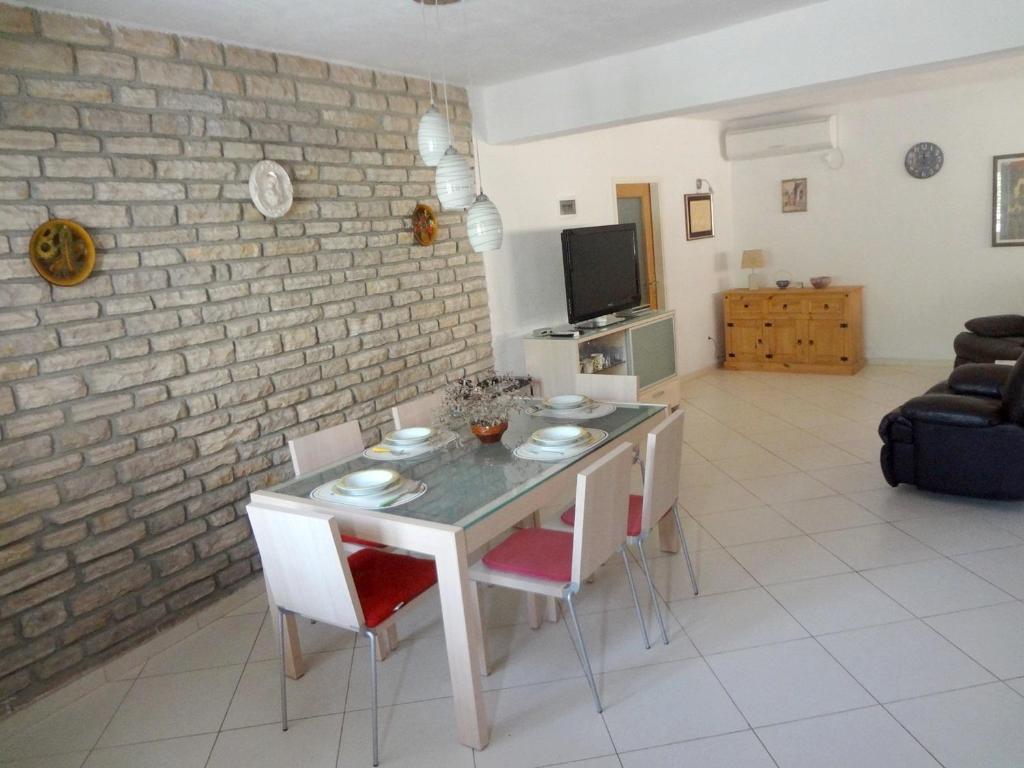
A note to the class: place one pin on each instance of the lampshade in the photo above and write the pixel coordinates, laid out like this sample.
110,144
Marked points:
454,181
753,259
432,136
484,225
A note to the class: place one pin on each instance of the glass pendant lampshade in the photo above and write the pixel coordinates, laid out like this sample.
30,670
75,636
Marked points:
483,223
432,136
454,181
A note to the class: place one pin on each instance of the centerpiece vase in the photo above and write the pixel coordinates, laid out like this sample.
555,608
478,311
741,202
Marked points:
490,433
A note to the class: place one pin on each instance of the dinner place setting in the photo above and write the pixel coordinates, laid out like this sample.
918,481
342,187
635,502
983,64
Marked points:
409,443
371,489
574,407
559,443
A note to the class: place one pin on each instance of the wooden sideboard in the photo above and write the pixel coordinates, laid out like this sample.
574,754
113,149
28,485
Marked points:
796,329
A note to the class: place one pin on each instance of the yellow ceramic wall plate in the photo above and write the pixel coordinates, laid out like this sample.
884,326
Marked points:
424,224
62,252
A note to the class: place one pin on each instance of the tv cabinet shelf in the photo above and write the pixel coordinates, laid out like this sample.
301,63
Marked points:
642,347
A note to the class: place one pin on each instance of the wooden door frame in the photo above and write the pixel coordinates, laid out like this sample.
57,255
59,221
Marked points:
643,190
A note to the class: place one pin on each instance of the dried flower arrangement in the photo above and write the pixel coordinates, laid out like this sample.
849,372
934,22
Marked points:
485,402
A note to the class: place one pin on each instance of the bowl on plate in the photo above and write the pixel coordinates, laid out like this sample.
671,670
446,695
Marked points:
566,402
782,284
824,281
409,436
559,437
367,482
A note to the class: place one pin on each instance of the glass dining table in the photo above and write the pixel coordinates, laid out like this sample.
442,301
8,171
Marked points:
474,493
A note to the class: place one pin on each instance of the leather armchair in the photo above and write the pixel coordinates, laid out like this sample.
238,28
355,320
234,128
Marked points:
987,339
964,436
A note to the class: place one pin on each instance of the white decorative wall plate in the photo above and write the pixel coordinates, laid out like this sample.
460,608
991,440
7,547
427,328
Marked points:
270,189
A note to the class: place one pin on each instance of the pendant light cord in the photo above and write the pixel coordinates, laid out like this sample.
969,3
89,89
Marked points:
430,66
469,82
444,72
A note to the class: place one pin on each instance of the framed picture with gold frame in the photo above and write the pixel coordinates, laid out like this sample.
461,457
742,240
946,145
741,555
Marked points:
700,217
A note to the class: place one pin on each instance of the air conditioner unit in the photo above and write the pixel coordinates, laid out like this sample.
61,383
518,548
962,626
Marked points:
783,139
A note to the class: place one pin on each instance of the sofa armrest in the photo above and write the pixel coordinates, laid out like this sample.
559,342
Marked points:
954,410
979,379
997,326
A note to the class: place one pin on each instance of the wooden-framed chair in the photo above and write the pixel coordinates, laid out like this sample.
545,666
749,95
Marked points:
309,574
555,564
661,473
419,412
320,449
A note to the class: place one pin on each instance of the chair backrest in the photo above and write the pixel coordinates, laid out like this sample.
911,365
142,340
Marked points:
602,509
304,565
1013,394
612,388
420,412
315,451
662,469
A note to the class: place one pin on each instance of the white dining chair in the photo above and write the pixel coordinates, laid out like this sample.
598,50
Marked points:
308,574
326,446
554,563
419,412
661,476
608,387
320,449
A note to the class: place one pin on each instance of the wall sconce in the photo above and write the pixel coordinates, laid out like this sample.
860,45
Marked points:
700,182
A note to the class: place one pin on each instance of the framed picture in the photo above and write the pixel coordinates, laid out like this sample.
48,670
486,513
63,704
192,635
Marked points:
794,195
700,220
1008,200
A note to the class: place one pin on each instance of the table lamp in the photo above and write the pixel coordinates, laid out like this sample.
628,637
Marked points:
753,259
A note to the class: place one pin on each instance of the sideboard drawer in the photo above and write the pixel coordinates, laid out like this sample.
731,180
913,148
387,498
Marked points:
828,306
744,306
787,305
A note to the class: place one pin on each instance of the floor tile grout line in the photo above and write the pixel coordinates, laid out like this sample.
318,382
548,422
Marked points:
238,682
344,713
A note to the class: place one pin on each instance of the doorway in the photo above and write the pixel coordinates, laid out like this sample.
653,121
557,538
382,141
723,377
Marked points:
634,206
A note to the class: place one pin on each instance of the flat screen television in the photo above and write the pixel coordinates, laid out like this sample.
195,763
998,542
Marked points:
602,270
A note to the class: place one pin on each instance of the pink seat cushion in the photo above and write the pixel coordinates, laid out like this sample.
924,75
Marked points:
386,581
636,505
535,552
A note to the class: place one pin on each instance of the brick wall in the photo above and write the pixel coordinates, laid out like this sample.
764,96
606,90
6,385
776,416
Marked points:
139,408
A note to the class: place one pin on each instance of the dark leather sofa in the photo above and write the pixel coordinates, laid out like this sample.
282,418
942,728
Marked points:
987,339
964,436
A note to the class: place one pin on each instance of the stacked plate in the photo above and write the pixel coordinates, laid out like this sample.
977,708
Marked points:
409,437
368,482
566,402
560,438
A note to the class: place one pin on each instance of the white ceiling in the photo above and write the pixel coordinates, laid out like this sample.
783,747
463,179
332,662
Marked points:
504,39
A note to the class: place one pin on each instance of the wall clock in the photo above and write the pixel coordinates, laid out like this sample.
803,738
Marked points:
62,252
923,160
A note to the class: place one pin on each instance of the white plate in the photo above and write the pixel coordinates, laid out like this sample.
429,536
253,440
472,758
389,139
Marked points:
559,436
270,189
409,436
367,482
566,402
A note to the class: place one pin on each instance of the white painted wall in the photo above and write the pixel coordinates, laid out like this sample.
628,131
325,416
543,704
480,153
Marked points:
524,279
827,42
921,247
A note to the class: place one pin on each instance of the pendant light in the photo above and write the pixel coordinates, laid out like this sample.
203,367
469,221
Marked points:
484,225
432,135
454,181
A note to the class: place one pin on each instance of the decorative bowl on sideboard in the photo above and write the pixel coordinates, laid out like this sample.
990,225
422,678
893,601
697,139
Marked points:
824,281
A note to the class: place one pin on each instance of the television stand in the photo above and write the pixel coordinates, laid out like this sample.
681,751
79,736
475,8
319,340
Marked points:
599,322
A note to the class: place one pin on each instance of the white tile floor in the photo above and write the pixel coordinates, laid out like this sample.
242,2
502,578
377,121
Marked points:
841,623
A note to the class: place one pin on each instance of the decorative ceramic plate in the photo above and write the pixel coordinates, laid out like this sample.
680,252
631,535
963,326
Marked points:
62,252
424,224
270,189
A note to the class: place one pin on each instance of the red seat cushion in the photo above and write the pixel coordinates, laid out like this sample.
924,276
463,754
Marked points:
636,505
359,542
386,581
535,552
